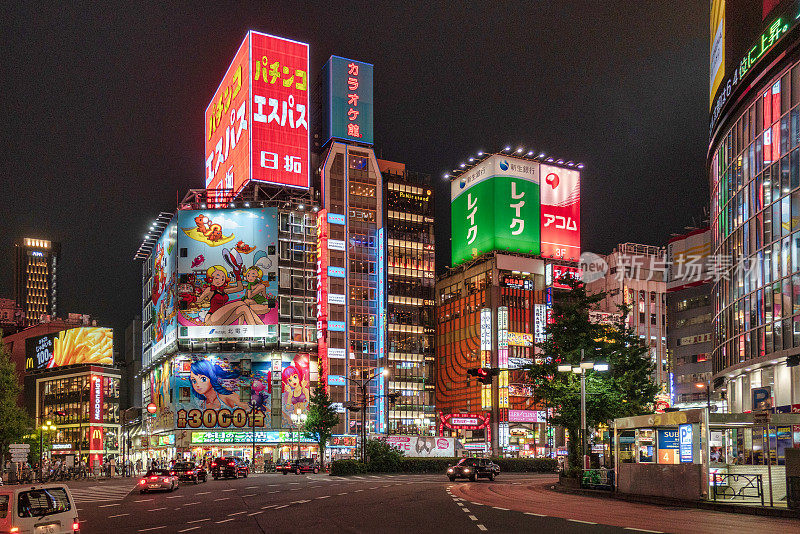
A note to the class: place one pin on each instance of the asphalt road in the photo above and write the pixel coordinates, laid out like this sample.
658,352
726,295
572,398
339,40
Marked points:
401,503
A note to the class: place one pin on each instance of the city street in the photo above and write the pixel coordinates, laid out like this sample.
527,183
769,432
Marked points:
386,503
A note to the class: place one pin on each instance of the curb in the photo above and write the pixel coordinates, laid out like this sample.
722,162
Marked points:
662,501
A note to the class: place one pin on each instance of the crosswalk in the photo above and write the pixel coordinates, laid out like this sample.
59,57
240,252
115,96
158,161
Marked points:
100,493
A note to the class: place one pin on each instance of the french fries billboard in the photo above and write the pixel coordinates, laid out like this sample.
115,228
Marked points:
75,346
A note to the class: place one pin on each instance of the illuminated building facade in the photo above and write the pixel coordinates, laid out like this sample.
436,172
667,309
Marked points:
489,313
410,281
238,306
636,276
754,179
351,274
12,316
689,315
35,276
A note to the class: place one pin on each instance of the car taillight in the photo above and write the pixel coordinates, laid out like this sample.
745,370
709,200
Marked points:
76,526
172,472
189,472
154,477
230,464
213,464
14,529
143,481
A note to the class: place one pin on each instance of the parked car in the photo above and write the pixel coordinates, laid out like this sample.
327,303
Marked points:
473,468
229,467
47,508
190,472
303,465
158,480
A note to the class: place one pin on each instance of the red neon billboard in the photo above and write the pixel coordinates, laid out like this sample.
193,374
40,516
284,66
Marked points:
257,123
560,213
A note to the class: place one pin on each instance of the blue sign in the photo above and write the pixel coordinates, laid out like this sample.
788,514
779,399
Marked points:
348,87
762,399
668,439
336,380
335,218
336,272
336,326
381,422
686,433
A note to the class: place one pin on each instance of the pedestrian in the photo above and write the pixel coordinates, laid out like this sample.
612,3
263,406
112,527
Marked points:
138,466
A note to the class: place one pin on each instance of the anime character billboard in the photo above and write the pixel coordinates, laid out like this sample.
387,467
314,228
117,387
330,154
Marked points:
227,273
163,293
215,391
295,389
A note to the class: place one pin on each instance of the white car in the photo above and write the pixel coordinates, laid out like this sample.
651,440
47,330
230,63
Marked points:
38,509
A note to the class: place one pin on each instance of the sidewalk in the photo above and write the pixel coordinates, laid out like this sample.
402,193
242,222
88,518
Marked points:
736,508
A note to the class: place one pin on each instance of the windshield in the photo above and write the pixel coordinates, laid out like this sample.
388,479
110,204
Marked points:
467,461
39,503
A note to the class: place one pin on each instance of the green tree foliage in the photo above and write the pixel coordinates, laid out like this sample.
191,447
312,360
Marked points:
14,421
626,389
322,419
382,457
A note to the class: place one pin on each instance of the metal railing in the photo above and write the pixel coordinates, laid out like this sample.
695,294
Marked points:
598,479
729,486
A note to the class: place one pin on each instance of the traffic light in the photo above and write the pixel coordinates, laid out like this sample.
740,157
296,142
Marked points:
483,374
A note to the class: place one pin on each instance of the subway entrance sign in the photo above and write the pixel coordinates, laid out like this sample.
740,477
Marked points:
495,206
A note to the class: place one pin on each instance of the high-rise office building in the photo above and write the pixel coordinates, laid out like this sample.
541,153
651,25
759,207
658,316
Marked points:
410,280
35,276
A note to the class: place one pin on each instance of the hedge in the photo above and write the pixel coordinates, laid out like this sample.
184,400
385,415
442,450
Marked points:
343,468
440,465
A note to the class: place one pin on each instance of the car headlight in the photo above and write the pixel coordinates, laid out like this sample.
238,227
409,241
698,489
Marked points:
450,470
466,469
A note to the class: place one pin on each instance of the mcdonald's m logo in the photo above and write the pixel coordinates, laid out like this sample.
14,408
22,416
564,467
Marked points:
97,434
29,363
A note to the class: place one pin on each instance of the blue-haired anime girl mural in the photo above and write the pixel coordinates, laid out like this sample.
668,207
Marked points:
215,385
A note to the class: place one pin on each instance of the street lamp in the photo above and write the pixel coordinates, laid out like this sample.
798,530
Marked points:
362,384
298,419
707,385
581,369
47,426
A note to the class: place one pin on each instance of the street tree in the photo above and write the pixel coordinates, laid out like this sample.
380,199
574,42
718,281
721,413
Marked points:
322,419
14,421
626,389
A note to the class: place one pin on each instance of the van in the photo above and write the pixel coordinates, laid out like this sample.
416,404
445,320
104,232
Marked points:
38,509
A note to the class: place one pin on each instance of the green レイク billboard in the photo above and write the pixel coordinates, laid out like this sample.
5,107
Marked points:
495,206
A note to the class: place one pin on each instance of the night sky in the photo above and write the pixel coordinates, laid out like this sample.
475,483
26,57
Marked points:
103,121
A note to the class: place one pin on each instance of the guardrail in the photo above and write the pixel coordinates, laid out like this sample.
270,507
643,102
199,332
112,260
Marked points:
729,486
598,479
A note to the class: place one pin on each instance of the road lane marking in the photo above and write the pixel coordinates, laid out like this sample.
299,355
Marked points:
254,513
473,517
175,497
107,505
279,507
643,530
268,506
465,510
299,502
191,503
356,491
276,491
537,515
251,487
198,520
188,529
118,515
202,493
223,499
157,509
232,489
504,509
584,522
224,520
481,527
237,513
342,493
152,528
248,495
322,497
